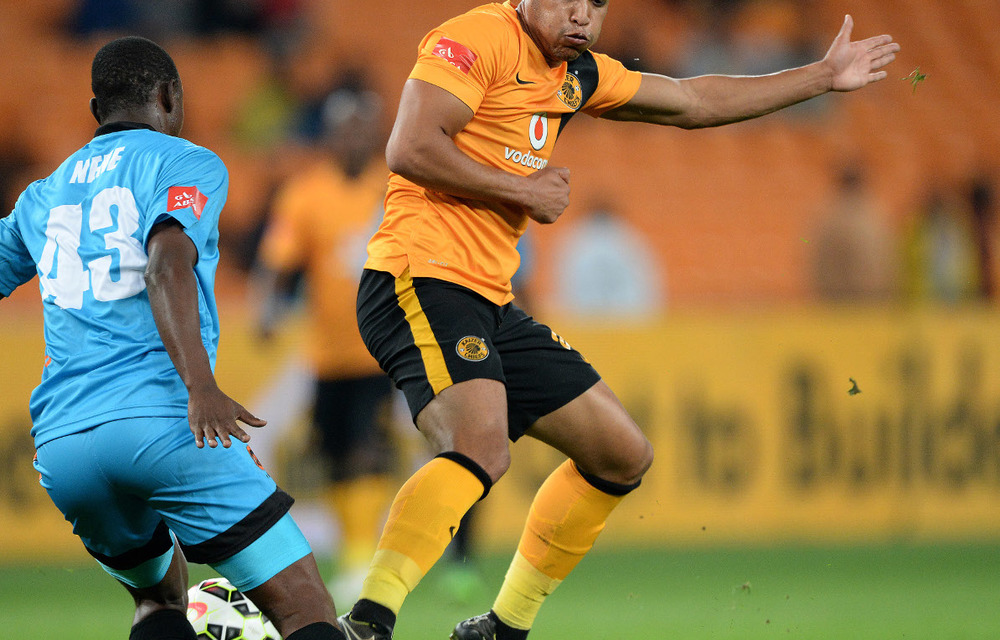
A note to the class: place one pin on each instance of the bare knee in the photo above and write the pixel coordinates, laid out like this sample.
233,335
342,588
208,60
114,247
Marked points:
169,593
625,463
488,449
295,597
596,432
642,460
470,418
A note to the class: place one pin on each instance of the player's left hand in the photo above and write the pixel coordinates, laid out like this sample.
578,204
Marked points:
856,64
214,417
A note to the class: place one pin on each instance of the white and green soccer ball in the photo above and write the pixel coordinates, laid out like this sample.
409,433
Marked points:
219,611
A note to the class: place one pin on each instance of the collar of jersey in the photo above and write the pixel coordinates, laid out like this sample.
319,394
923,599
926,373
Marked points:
113,127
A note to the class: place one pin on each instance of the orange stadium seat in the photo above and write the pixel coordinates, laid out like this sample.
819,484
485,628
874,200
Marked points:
726,209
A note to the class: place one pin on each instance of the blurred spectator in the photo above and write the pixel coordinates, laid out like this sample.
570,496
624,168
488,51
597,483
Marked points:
940,251
768,36
981,202
269,19
16,172
267,117
604,267
92,16
710,48
854,257
752,38
287,104
156,20
321,221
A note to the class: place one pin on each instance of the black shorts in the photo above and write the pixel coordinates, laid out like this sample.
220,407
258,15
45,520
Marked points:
350,417
428,334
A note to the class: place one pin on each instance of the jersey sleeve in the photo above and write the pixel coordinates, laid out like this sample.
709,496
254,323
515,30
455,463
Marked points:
16,264
192,189
285,242
617,85
464,56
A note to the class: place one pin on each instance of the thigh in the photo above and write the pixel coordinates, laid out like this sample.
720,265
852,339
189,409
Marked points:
116,526
542,371
596,432
278,547
216,500
127,484
427,334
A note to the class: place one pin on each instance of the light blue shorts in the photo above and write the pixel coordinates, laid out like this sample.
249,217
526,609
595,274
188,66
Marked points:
127,485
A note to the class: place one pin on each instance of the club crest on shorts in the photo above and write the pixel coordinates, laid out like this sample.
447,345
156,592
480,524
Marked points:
472,348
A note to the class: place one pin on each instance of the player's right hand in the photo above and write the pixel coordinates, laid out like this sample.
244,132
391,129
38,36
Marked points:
548,194
213,416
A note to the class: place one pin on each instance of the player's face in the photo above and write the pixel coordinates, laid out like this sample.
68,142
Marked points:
563,29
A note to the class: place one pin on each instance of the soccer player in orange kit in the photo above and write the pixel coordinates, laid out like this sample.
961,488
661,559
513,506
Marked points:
477,122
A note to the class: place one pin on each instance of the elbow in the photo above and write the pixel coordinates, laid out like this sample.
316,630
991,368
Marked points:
153,276
402,159
396,159
410,156
158,274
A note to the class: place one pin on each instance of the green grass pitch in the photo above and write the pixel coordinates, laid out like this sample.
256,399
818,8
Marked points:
873,592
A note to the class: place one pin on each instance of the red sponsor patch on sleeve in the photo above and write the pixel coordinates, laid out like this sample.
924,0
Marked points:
457,54
184,197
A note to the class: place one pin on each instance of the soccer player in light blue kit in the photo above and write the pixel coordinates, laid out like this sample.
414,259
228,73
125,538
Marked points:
123,237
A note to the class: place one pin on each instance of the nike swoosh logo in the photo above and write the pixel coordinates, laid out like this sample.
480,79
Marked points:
517,76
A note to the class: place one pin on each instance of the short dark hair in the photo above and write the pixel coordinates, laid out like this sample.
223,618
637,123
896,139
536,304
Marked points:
125,71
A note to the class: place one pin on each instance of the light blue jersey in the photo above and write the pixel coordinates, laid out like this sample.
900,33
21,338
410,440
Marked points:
83,231
114,447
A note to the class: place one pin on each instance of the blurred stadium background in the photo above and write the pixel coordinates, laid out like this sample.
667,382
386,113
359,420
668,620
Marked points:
781,265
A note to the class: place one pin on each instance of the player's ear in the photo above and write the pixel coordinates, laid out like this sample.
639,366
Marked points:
170,100
165,97
94,110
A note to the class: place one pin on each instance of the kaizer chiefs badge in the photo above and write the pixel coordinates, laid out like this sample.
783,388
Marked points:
571,93
472,349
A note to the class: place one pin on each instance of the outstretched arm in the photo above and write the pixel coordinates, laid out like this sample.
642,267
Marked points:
422,150
713,100
173,296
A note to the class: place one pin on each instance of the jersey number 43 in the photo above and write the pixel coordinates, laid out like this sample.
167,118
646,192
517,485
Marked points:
63,274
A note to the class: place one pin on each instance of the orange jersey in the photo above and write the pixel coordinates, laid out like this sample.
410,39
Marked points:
520,105
321,222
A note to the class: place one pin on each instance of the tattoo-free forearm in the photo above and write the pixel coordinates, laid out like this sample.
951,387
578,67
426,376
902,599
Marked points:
714,100
173,297
431,159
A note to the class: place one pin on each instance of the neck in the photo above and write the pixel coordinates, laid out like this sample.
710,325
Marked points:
141,116
527,29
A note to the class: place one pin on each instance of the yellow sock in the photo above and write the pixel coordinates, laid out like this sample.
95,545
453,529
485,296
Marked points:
422,521
565,519
359,505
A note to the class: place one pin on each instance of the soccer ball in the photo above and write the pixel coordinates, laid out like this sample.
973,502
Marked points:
219,611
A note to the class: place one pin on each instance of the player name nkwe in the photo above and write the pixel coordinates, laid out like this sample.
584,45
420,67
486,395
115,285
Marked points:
88,170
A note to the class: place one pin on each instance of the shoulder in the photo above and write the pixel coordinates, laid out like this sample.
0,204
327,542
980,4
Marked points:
493,16
486,26
184,147
181,154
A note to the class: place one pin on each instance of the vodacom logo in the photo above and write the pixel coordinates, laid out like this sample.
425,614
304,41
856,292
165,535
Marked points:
538,131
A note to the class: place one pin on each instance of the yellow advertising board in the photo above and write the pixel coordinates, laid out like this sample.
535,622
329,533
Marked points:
806,424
